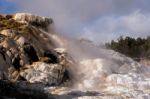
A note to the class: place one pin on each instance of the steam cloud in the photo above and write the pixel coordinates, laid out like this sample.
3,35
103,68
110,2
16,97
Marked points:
135,25
93,19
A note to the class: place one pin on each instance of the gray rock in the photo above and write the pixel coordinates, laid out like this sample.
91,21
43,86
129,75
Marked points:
43,72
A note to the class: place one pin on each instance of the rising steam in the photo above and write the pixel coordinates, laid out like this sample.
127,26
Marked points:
95,67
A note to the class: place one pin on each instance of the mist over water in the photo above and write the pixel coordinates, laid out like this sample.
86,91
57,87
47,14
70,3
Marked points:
97,68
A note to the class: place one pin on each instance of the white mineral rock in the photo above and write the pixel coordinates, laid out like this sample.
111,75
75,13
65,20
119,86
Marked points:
43,72
29,18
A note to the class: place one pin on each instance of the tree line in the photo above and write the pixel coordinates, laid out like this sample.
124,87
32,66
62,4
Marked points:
132,47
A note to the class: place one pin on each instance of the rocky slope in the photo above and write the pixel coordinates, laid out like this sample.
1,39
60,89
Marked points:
27,53
37,63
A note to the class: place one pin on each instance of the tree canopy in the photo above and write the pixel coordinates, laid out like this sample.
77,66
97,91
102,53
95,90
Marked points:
132,47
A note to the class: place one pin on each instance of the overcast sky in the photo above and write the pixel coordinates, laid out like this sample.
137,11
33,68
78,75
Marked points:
97,20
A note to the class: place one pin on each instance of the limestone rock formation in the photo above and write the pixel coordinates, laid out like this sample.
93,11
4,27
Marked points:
33,20
51,74
27,51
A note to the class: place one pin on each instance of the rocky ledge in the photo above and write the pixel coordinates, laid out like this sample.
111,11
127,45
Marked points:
28,54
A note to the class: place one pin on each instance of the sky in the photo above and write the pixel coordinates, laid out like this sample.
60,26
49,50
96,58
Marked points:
96,20
7,7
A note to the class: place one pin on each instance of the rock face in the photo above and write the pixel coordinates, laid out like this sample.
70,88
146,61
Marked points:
27,52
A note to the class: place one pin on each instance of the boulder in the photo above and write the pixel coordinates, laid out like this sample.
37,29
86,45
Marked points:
51,74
